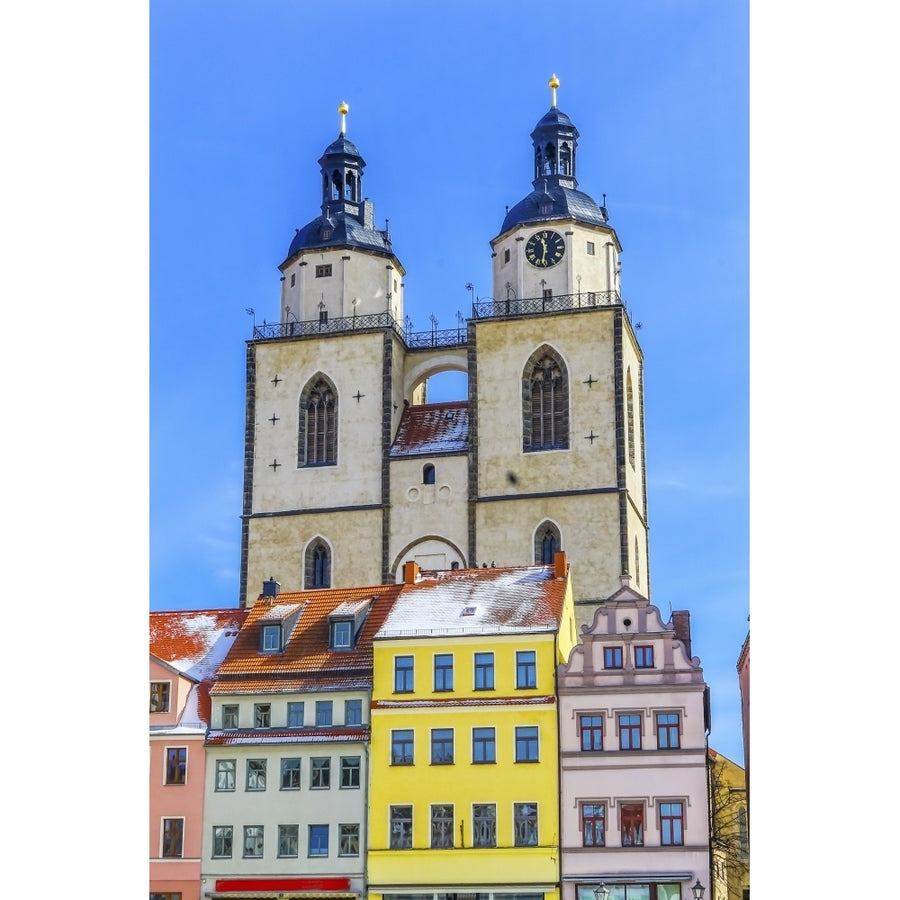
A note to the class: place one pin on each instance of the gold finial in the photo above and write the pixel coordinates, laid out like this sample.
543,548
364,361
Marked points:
343,109
554,84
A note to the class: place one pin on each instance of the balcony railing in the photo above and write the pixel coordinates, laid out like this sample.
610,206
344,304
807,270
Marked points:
446,337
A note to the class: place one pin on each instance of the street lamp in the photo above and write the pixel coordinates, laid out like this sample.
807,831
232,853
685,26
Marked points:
698,890
602,892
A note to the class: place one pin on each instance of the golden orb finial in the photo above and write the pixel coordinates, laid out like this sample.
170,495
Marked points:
343,109
554,84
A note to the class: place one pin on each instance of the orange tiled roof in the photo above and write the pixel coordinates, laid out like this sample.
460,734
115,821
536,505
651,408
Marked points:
307,650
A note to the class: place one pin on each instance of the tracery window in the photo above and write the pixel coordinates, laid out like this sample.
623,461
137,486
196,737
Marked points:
317,440
317,566
546,544
545,403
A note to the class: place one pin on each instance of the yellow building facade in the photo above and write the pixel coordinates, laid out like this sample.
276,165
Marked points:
464,789
730,834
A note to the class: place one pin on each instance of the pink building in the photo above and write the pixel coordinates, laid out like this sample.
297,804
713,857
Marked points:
185,649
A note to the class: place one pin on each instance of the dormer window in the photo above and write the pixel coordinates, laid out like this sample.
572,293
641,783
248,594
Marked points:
341,635
271,639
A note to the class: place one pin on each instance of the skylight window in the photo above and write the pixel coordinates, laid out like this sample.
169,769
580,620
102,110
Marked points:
468,611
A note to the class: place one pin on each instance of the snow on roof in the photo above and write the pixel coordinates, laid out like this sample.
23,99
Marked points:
281,611
478,601
432,428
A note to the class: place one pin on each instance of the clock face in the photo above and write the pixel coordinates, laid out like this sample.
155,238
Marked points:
545,249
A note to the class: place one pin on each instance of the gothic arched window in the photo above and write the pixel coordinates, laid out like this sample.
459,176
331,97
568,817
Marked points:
629,399
317,440
546,544
317,565
545,393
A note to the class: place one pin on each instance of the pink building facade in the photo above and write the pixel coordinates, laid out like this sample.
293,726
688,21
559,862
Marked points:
633,726
185,649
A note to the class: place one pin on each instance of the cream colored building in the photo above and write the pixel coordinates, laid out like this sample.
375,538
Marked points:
349,474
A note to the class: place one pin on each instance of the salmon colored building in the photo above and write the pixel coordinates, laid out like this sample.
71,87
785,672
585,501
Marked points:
185,649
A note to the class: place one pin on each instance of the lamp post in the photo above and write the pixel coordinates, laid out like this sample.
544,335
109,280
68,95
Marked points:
698,890
602,892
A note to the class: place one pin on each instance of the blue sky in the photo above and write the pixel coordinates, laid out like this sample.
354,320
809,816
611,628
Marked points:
443,97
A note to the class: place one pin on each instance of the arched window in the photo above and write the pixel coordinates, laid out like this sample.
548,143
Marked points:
546,544
317,565
546,403
317,440
565,160
629,401
550,164
428,474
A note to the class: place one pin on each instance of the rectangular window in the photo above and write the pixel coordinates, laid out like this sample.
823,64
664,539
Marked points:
173,838
171,895
484,745
484,671
484,825
225,771
253,841
159,696
290,774
632,819
288,840
230,715
593,824
526,669
671,824
403,674
612,657
443,672
324,713
441,826
262,715
525,824
353,712
222,840
401,827
506,255
591,732
323,272
527,743
590,248
349,772
441,746
320,773
341,635
668,731
293,278
295,715
402,747
271,639
629,731
643,657
176,765
348,840
256,774
318,840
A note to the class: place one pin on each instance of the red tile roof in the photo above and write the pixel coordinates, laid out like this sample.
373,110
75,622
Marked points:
432,428
307,652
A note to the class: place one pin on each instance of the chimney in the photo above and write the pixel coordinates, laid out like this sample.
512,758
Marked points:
271,587
681,619
410,572
560,564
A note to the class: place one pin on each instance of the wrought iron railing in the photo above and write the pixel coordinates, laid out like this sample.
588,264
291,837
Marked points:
445,337
512,306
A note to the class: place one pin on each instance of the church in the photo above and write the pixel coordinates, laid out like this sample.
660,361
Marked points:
349,473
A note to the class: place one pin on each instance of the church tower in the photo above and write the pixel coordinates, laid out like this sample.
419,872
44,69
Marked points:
349,474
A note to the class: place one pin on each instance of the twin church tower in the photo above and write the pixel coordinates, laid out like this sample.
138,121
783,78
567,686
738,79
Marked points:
349,473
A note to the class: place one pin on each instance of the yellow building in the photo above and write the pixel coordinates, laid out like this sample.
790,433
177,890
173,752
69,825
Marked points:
730,832
464,790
